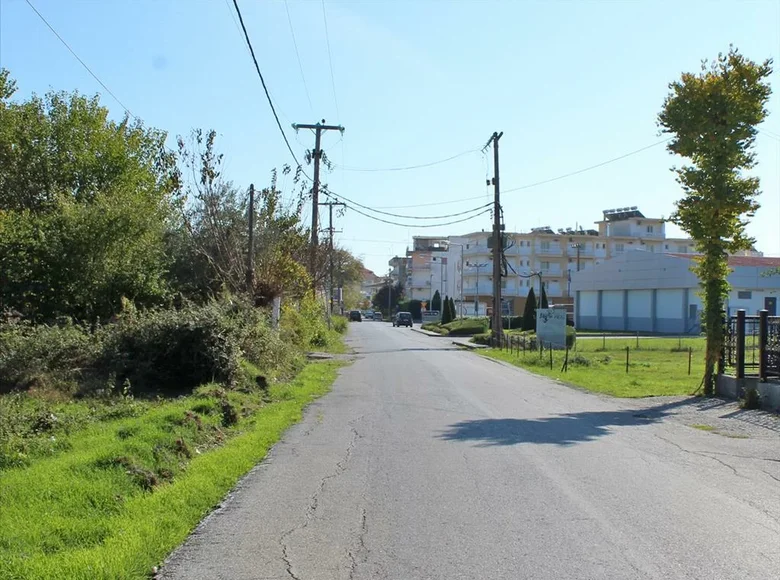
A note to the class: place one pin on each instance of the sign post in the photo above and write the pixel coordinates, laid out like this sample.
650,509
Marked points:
551,327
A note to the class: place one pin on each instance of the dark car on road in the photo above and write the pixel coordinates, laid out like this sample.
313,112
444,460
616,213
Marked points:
403,319
355,316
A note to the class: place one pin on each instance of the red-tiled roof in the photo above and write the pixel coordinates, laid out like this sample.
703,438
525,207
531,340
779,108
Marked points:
750,261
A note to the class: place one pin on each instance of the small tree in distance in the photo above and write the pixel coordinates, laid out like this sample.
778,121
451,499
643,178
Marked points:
445,311
543,301
453,313
712,118
529,313
436,301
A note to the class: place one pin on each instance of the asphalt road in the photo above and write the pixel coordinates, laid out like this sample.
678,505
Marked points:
427,462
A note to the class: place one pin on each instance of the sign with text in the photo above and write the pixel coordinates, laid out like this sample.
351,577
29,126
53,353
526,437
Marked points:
551,326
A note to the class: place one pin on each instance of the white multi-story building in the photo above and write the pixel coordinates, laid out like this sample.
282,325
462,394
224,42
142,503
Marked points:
462,266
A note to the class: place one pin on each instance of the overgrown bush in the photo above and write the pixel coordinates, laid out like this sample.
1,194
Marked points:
339,324
176,350
45,356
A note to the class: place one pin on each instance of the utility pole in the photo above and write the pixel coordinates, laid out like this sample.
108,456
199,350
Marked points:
497,239
250,266
331,231
389,292
318,128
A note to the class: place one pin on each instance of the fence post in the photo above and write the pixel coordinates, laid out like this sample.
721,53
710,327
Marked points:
740,346
726,331
637,339
628,348
565,367
550,349
690,356
604,341
763,337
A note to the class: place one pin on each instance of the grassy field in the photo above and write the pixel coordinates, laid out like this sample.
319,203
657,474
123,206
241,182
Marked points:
111,497
658,367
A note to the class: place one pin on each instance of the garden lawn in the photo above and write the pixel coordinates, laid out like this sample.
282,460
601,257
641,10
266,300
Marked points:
658,367
121,494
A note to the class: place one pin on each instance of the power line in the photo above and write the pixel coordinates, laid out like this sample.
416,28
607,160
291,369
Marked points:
408,167
535,184
414,225
413,217
262,80
298,56
330,62
89,70
564,176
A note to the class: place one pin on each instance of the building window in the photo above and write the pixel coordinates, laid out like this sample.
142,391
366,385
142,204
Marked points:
745,295
682,249
651,248
649,229
619,247
666,246
545,245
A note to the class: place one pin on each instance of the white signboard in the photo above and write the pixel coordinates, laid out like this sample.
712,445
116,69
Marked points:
551,326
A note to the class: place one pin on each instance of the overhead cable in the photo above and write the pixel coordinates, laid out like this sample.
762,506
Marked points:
262,80
408,167
78,58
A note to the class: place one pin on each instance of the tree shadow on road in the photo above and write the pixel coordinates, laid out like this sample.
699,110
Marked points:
566,429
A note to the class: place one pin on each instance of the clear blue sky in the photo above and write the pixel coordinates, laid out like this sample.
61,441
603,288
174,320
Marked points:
570,84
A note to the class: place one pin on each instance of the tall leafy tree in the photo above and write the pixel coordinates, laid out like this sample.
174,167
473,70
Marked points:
380,300
84,205
712,118
529,313
212,240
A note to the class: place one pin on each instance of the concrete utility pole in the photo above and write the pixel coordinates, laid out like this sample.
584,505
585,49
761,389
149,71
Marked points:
318,128
331,231
497,239
250,266
476,293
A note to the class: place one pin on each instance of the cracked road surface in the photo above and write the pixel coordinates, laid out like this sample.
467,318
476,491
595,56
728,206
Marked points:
426,462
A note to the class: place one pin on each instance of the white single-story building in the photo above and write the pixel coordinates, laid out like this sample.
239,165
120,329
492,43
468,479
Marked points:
653,292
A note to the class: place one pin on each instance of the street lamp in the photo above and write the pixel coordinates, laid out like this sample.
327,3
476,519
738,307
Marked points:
476,292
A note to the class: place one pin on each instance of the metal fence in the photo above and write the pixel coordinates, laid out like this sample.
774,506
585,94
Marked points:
752,345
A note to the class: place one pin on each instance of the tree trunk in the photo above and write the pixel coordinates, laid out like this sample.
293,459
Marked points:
713,301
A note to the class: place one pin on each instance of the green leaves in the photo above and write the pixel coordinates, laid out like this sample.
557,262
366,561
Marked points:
712,117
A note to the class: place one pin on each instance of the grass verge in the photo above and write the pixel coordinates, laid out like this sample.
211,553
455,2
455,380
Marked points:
659,367
122,494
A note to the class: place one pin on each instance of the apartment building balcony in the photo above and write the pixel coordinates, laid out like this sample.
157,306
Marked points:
484,289
584,252
550,251
476,250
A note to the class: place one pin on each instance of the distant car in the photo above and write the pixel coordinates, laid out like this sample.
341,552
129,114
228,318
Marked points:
403,319
378,316
355,316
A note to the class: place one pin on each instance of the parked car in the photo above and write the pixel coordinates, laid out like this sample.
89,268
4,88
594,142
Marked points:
378,316
403,319
355,316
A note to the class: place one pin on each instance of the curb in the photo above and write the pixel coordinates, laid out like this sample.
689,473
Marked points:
468,345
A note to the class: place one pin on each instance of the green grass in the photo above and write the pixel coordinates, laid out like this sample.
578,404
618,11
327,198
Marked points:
656,368
704,427
120,494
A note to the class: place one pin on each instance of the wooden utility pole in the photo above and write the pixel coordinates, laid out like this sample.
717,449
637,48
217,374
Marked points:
250,265
331,231
497,239
318,128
